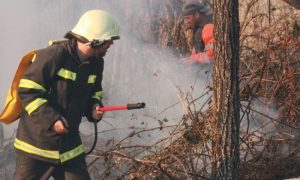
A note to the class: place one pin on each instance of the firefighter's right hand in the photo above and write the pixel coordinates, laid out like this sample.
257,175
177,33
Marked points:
96,114
59,127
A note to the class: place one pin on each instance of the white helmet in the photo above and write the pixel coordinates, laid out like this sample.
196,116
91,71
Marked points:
95,26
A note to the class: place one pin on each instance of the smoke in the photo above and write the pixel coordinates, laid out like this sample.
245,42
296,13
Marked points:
264,125
135,70
261,117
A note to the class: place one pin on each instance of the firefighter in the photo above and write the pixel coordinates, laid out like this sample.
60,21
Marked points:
62,84
196,19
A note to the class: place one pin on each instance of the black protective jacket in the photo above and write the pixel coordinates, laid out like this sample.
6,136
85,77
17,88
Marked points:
57,85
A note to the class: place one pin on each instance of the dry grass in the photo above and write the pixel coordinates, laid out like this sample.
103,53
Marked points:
270,66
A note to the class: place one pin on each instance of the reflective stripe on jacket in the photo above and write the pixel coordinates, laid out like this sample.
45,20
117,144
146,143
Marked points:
57,85
207,37
51,154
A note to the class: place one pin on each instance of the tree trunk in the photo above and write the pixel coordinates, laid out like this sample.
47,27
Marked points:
225,117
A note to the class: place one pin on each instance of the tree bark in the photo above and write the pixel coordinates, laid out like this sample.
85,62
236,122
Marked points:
225,117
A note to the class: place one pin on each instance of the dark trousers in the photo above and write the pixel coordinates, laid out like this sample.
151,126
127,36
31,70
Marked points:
32,169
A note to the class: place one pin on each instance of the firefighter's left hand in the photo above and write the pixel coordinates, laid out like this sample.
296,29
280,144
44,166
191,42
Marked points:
97,115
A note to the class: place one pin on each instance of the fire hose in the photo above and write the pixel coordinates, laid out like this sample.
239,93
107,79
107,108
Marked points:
49,172
113,108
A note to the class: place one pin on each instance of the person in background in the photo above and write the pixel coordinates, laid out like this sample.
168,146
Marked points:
195,18
62,84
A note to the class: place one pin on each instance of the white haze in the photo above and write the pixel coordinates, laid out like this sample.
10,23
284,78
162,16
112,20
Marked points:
135,71
131,64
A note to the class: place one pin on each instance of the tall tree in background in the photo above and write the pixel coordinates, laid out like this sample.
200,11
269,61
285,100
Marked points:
226,103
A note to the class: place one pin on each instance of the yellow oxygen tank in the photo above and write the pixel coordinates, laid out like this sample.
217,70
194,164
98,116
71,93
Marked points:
12,108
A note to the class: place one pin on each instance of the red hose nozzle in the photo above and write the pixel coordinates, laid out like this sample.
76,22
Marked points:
122,107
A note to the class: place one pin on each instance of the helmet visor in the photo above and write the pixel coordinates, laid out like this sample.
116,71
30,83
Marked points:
96,43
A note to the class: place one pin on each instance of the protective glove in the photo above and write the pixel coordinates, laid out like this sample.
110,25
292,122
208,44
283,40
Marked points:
97,115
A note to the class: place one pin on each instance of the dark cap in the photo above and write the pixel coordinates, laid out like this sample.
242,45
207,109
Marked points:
191,6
